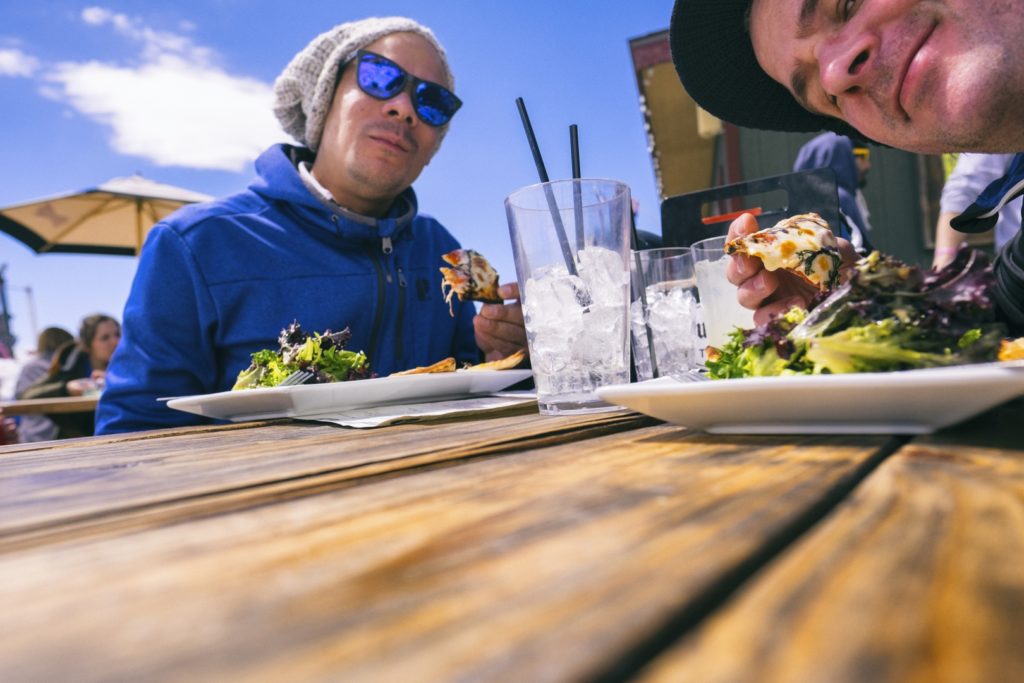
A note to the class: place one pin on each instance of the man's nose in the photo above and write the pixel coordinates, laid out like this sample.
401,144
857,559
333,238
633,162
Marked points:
400,106
847,65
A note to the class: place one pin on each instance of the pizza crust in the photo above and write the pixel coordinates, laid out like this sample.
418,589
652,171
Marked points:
506,363
446,365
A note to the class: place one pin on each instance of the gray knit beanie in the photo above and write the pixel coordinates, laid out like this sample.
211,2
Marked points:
304,90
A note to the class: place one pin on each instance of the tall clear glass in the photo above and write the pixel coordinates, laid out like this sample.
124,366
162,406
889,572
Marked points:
570,240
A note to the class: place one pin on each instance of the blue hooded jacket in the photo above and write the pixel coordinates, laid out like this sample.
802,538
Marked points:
218,281
829,150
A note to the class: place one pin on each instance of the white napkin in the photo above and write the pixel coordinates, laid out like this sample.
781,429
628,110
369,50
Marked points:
380,416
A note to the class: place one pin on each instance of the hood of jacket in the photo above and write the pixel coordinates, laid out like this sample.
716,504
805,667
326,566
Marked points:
278,182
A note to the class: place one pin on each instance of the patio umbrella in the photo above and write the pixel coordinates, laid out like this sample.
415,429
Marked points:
112,218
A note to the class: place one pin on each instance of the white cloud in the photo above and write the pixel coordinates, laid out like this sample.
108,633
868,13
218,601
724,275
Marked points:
96,16
14,62
176,107
175,113
155,43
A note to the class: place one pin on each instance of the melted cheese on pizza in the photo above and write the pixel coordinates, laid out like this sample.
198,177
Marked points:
802,244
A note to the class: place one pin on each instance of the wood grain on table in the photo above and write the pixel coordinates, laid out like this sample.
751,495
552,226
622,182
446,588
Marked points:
918,577
565,559
133,480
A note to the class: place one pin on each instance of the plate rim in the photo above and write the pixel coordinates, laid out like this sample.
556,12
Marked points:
994,374
211,400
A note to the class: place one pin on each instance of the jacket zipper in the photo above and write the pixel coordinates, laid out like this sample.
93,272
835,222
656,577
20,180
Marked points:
399,323
378,315
384,276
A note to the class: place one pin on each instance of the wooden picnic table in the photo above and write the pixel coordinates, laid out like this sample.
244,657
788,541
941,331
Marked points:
514,547
49,406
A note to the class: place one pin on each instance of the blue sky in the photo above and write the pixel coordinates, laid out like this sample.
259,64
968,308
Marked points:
181,93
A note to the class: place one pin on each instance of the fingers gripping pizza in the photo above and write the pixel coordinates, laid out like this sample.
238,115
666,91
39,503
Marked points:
471,277
803,245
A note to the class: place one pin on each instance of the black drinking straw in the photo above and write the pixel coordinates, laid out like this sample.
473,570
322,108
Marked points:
563,241
634,240
577,197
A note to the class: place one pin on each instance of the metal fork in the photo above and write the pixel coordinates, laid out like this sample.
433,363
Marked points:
692,376
297,377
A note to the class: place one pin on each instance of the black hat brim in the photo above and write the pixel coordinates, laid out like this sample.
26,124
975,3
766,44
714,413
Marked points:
715,60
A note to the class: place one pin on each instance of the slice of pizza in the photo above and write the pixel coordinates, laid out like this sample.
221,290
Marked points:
446,365
507,363
803,245
471,277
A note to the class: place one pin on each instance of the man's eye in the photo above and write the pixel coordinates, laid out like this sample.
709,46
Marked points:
845,8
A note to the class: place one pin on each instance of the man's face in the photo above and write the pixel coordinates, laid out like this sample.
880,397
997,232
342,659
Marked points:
924,75
372,150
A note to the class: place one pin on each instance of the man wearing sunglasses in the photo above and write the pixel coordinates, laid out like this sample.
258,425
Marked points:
329,234
926,76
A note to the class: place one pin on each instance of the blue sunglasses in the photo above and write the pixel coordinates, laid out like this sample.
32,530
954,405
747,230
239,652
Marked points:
382,79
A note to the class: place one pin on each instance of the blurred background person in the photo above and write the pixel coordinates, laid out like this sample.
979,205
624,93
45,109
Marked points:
830,150
862,157
40,427
969,177
78,368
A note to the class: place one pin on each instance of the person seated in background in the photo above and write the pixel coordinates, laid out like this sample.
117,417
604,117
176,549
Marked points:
329,235
39,427
862,157
78,368
971,175
829,150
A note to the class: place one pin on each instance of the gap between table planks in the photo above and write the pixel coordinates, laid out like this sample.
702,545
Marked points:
917,578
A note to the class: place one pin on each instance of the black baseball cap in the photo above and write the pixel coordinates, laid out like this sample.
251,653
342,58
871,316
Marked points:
715,60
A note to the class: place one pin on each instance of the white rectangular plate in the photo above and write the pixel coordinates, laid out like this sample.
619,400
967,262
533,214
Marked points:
320,399
911,402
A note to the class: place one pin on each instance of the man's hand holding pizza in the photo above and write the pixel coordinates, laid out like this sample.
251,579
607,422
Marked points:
771,292
499,327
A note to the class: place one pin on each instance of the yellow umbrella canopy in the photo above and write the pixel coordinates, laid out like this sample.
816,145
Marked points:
113,218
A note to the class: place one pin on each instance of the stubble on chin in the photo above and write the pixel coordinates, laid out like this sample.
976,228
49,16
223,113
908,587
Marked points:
378,185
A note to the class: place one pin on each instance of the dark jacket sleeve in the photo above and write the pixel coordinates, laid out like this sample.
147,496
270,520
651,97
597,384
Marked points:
46,388
69,425
72,365
1009,271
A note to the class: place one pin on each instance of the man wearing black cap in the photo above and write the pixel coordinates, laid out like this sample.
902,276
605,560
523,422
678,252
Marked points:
924,76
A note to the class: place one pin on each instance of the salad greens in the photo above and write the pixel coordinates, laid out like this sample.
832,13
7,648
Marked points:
887,316
322,354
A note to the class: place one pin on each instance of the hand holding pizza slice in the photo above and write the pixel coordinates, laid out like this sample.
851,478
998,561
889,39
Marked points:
803,245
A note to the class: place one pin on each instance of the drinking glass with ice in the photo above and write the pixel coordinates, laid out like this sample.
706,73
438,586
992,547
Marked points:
666,314
570,240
